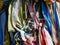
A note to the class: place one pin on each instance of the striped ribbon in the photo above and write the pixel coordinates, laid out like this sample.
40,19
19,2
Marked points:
43,40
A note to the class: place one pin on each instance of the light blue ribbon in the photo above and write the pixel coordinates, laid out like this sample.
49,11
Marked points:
56,15
46,15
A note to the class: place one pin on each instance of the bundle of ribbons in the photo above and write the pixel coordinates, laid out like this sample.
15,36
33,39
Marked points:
38,29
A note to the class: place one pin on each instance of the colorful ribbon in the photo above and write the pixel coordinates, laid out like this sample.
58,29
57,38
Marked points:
42,33
43,39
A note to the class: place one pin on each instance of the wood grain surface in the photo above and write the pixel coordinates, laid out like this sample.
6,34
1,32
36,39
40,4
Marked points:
1,4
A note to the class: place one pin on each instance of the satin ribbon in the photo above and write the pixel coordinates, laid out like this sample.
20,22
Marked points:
42,32
2,26
56,15
47,17
52,0
41,41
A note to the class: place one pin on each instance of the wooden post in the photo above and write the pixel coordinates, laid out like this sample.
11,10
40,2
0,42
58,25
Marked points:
1,3
50,1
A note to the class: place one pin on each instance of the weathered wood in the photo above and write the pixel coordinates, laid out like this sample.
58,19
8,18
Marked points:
48,1
1,4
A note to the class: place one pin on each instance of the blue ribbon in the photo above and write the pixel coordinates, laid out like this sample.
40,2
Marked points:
46,15
56,15
2,26
18,35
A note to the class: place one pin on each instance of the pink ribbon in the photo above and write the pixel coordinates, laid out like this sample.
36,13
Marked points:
42,40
